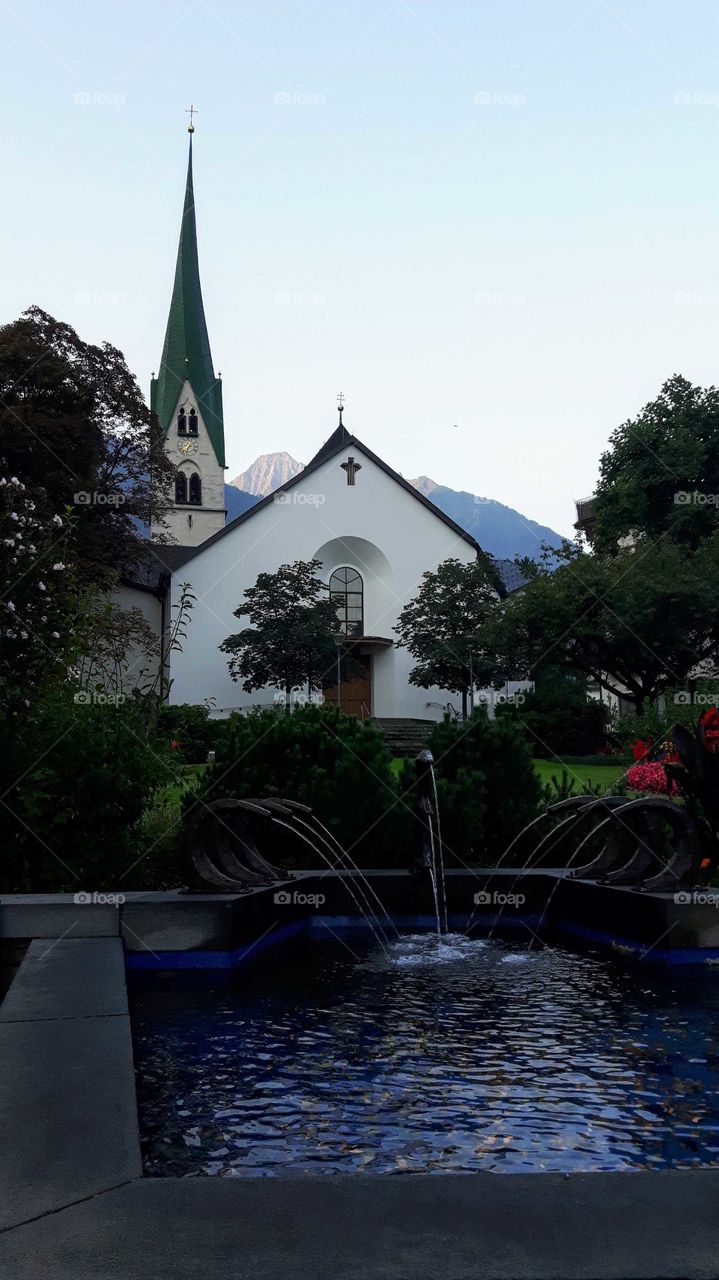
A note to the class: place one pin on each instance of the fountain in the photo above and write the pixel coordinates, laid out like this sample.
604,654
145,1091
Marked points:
428,853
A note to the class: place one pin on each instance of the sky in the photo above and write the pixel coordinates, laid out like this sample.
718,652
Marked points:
490,223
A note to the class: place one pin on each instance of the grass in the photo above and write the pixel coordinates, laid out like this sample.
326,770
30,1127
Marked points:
604,774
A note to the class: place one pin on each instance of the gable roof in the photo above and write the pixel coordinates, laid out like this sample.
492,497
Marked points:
339,441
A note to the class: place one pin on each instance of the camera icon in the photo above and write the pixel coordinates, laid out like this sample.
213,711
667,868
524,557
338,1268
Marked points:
284,498
682,698
82,698
682,498
82,499
82,898
483,898
682,898
283,898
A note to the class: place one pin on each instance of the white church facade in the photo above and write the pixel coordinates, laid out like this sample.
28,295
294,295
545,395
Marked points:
372,532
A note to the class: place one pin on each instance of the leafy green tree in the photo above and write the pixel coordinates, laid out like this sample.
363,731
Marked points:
637,620
290,643
557,717
76,430
442,627
660,475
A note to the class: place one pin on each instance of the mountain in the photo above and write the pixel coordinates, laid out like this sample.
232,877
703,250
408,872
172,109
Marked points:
501,531
267,473
237,501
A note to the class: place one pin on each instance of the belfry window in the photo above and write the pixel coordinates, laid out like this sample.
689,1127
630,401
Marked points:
180,487
195,490
181,423
192,423
347,594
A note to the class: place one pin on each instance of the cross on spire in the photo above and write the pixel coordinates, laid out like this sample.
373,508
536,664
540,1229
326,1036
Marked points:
191,111
340,404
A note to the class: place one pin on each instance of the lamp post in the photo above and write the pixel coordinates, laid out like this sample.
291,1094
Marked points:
338,644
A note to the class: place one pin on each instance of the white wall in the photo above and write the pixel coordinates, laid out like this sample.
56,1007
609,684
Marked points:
374,526
132,598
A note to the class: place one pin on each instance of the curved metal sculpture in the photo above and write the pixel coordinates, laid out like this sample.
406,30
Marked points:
220,842
635,828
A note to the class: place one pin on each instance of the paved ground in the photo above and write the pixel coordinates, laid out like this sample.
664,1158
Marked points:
394,1227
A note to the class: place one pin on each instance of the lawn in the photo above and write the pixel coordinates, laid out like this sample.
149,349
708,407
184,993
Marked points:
604,774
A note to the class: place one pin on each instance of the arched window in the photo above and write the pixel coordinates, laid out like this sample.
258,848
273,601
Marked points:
180,487
195,489
181,423
192,423
347,593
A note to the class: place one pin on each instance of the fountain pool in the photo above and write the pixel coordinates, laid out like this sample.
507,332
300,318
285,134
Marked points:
446,1054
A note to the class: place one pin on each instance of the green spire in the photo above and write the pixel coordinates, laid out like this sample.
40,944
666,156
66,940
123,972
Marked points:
186,353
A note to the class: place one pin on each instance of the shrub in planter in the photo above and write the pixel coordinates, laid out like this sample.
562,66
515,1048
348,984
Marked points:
318,756
486,784
77,782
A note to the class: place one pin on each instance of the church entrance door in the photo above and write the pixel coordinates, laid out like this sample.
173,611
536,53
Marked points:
355,694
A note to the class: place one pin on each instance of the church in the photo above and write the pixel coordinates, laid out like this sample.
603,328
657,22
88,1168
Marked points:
373,533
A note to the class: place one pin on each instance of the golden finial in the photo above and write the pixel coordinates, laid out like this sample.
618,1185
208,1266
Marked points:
191,111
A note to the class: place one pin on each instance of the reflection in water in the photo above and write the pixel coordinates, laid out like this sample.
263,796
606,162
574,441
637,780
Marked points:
445,1055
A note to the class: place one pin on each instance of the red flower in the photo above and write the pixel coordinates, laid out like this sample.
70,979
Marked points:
709,728
651,778
640,747
174,744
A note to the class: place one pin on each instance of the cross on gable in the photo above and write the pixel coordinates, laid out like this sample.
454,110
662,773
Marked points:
351,467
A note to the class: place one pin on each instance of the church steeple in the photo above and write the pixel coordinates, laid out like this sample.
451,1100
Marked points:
186,355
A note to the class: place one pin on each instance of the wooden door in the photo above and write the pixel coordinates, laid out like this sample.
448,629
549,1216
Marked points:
355,694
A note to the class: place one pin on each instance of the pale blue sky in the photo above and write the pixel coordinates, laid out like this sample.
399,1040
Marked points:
497,215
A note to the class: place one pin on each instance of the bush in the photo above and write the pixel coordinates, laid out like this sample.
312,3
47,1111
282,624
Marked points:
321,757
191,729
654,723
77,782
557,718
486,784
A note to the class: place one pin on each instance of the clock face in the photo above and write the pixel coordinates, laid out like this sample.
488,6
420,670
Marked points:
187,446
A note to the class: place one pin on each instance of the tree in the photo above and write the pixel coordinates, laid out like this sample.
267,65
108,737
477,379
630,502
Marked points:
660,475
441,627
38,605
75,426
290,642
637,620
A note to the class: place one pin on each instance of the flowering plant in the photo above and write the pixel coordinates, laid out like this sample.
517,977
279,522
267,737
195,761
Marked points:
37,599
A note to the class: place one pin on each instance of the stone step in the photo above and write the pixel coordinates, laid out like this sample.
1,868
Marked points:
404,737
